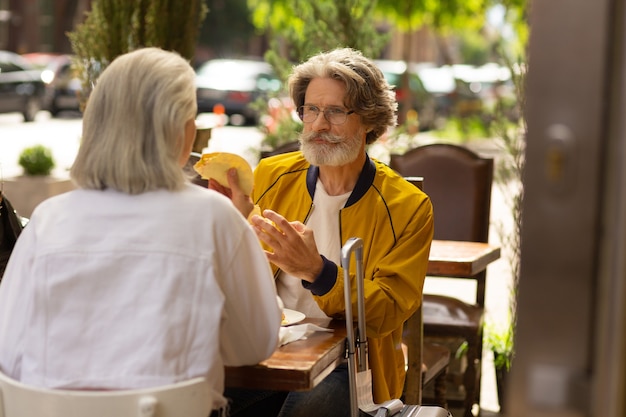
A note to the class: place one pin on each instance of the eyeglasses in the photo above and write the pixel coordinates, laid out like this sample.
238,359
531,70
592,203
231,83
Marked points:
334,115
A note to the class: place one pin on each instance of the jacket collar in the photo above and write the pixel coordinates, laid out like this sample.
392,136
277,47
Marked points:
366,178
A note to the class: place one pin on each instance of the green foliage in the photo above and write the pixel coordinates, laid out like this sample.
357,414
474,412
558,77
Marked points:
509,129
462,129
227,30
474,47
36,160
516,15
499,339
408,15
114,27
511,137
319,26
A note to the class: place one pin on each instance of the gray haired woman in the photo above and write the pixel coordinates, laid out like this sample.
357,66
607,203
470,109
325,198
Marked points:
137,278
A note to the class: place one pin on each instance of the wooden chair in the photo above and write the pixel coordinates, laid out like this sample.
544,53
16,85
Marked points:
183,399
458,182
426,362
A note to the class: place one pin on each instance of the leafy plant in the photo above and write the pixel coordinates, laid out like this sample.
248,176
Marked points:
462,129
511,137
114,27
36,160
318,26
499,338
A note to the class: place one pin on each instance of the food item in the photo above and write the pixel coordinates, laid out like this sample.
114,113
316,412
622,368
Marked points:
283,319
216,165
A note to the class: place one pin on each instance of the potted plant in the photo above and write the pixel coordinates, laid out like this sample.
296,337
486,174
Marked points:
37,182
280,125
499,339
36,160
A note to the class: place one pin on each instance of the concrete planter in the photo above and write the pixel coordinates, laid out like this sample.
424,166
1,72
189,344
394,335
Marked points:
26,191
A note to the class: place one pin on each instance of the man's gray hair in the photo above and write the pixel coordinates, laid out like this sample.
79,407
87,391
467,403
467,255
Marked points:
368,93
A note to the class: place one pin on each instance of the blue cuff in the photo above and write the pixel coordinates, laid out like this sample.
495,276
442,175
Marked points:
325,280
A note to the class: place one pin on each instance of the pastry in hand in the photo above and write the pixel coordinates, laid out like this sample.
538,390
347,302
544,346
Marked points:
216,165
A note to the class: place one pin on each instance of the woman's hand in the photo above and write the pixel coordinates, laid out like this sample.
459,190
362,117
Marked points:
292,243
242,202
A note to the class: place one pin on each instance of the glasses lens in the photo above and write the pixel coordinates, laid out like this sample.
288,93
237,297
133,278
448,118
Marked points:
335,116
308,114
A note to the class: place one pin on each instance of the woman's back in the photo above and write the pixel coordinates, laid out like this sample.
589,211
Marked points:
122,291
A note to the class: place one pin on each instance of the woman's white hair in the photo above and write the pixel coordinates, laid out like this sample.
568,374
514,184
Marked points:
134,123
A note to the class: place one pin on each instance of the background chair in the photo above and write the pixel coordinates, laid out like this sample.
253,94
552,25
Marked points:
183,399
458,182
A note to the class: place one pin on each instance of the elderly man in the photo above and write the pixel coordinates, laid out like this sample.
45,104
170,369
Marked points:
313,200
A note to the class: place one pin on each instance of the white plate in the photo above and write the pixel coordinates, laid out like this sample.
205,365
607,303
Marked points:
292,317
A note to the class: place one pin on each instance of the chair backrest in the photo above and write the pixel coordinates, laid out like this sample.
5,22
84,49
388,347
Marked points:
188,168
183,399
458,182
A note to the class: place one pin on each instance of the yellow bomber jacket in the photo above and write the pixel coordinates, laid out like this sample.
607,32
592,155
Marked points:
395,220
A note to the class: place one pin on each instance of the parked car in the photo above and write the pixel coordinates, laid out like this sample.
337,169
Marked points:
491,82
40,59
234,84
21,87
63,87
422,100
455,95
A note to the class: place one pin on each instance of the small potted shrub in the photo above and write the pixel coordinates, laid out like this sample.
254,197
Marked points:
38,181
499,339
37,160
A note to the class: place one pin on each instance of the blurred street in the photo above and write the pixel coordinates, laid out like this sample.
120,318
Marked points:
62,135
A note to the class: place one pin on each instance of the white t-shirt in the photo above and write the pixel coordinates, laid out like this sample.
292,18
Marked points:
324,221
108,290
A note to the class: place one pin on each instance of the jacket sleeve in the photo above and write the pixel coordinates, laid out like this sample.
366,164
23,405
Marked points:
394,271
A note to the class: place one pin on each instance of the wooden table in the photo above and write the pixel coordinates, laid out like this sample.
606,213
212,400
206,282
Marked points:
460,259
301,365
297,366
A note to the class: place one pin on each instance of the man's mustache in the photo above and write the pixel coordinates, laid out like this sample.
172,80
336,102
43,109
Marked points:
327,137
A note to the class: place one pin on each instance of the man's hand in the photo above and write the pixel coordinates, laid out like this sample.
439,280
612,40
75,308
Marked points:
292,243
242,202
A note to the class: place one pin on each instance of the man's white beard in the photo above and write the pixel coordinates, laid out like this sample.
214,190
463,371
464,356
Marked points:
335,151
